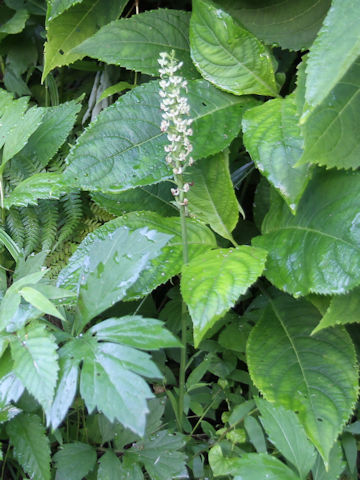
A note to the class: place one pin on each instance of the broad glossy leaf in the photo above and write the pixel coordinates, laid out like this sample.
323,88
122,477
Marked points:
42,145
250,466
212,198
213,281
334,50
331,131
227,55
135,43
41,185
135,331
109,467
336,465
290,24
74,461
57,7
113,265
317,250
273,139
168,264
343,309
31,445
124,147
315,376
73,26
35,362
288,436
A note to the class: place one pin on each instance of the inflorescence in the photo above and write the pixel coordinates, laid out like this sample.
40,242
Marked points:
176,122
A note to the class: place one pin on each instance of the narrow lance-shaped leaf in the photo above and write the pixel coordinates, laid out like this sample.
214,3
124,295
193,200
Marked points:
315,376
227,55
135,156
212,282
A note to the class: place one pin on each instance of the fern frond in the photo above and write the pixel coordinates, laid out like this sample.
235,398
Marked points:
72,211
15,226
99,213
58,258
32,229
49,217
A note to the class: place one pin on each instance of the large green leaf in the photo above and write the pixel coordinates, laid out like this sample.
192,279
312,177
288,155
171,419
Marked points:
290,24
318,249
124,147
74,461
336,465
212,198
334,50
315,376
343,309
135,43
109,467
75,25
57,7
287,435
35,362
114,264
31,445
212,282
228,55
331,132
168,264
273,139
250,466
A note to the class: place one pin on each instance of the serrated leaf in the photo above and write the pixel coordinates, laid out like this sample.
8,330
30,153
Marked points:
292,25
213,281
343,309
135,43
336,47
227,55
135,156
317,250
57,7
55,126
168,264
74,461
35,362
113,265
31,445
315,376
160,455
273,139
287,435
73,26
109,467
135,331
250,466
331,130
336,465
212,198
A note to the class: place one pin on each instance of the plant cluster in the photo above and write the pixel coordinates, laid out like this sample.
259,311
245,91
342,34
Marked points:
179,239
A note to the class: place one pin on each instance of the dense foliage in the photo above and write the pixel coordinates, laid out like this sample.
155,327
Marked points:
147,337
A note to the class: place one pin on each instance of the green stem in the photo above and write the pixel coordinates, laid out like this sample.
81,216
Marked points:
2,199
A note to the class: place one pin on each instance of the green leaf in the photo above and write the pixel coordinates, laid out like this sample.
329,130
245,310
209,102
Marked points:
109,467
135,156
212,282
336,465
292,25
330,131
43,144
114,89
255,434
212,198
318,249
287,435
39,301
336,47
57,7
11,388
250,466
15,24
273,139
315,376
160,455
73,26
135,331
74,461
114,265
31,445
135,43
8,413
227,55
168,264
35,362
343,309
